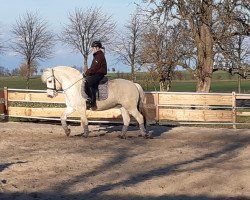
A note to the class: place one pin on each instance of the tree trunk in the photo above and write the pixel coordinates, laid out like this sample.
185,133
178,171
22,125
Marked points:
204,71
28,74
132,73
85,62
239,84
205,53
163,86
27,82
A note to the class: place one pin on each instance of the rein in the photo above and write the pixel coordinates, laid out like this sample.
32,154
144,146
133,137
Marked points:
54,80
72,84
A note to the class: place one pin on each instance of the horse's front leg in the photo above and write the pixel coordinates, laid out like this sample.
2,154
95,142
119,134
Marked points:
67,112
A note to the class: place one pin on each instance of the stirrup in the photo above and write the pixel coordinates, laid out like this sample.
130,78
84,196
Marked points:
88,104
93,106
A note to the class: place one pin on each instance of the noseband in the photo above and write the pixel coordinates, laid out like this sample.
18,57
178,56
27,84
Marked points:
54,81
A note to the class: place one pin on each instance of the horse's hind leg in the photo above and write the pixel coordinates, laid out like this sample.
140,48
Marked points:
139,118
84,123
126,121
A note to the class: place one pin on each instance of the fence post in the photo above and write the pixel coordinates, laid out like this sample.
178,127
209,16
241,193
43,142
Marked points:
234,110
5,90
2,107
157,107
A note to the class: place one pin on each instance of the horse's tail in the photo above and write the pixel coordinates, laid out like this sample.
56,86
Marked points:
142,103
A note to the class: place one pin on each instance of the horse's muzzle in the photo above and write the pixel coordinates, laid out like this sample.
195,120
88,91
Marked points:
51,93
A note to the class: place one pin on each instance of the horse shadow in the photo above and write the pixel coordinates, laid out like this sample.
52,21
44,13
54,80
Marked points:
80,196
84,195
4,166
154,130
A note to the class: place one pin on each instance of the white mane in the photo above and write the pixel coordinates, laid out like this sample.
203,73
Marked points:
69,72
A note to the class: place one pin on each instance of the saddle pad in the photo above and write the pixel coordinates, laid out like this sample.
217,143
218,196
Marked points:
102,92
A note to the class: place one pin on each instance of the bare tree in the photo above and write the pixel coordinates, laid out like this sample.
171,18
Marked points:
3,71
209,23
242,64
84,27
32,40
1,48
162,51
15,72
24,68
235,57
128,45
1,45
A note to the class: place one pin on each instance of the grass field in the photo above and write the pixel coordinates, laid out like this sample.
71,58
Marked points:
220,83
20,82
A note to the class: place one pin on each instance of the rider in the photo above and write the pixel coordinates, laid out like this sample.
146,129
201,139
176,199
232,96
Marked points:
96,72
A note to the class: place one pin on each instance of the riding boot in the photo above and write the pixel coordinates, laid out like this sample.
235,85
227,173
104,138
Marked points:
93,98
89,98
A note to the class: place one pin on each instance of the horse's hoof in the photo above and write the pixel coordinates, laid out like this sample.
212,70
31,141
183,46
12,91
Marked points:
84,135
148,136
144,135
67,132
122,137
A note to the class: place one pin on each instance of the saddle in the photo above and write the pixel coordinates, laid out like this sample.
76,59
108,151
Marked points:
101,90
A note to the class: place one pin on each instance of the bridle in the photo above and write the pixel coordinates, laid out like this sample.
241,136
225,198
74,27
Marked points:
54,81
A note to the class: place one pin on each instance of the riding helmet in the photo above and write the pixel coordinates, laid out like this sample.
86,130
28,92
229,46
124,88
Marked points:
97,44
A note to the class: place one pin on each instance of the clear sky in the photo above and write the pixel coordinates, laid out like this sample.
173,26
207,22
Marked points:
55,12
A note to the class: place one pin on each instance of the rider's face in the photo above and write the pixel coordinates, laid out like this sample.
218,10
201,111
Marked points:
94,49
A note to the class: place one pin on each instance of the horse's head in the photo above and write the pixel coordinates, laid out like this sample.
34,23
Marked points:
53,85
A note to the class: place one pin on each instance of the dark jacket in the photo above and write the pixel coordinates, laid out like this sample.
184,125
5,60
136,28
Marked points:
99,64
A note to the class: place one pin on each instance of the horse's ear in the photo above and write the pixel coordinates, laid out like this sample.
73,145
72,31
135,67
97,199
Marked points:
46,69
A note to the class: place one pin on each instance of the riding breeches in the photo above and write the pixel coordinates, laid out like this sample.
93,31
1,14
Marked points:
93,81
91,86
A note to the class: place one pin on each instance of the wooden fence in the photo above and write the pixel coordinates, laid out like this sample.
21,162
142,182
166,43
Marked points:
162,107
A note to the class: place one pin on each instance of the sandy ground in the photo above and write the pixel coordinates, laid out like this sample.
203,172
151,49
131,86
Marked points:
37,161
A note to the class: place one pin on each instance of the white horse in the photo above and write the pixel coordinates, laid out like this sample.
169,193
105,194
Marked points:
121,93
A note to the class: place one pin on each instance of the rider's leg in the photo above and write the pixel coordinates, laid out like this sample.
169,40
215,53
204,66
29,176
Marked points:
92,83
93,96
